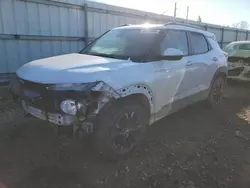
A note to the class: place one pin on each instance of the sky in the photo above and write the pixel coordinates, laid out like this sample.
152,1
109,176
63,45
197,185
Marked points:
222,12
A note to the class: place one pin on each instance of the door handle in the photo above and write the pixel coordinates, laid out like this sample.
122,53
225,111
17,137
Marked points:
215,59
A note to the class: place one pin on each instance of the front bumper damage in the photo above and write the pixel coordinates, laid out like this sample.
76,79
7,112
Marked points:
56,118
43,103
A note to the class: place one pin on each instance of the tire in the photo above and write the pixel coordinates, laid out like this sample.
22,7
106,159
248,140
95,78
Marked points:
121,127
216,90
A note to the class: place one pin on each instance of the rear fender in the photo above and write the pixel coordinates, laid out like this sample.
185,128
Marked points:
220,71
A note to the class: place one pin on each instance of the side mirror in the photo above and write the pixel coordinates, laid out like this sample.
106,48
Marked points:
173,54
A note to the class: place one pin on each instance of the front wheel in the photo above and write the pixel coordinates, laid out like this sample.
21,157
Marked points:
216,90
121,128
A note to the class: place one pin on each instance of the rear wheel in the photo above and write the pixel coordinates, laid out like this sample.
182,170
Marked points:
216,91
121,128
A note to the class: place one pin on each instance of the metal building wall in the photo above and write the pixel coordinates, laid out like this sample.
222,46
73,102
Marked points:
33,29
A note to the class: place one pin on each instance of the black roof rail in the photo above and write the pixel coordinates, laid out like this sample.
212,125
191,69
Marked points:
124,25
184,24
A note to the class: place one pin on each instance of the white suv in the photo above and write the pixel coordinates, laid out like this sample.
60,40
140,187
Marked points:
125,80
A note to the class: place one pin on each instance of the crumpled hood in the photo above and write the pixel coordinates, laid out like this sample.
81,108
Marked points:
71,68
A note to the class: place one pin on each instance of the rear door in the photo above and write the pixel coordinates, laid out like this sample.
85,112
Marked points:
198,63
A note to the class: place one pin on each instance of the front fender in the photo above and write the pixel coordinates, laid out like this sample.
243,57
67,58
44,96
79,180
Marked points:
138,89
107,94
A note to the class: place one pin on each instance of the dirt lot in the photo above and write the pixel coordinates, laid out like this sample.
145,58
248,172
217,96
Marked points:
197,147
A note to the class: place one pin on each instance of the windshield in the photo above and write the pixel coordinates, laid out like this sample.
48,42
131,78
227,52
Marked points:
229,48
123,43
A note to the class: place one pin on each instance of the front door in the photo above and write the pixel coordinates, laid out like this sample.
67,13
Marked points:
170,75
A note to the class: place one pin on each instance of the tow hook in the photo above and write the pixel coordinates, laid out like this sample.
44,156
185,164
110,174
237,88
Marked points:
79,129
82,129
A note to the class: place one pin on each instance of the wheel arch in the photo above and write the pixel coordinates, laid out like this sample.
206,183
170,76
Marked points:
139,92
137,98
222,71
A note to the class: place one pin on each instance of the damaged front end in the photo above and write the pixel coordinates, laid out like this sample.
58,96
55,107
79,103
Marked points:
74,105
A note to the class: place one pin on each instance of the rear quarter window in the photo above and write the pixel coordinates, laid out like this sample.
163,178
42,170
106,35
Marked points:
199,43
214,44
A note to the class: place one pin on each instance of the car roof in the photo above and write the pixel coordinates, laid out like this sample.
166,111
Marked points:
240,42
174,26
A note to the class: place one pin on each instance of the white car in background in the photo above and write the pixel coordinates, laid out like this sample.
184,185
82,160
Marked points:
127,79
238,57
238,51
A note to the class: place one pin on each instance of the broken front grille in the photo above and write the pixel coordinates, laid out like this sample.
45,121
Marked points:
36,95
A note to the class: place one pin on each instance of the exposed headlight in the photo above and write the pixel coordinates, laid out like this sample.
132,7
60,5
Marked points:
70,106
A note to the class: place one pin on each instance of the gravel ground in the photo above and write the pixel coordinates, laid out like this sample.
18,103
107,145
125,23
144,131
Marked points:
196,147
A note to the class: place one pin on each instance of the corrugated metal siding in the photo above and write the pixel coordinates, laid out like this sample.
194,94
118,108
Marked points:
241,36
27,18
217,32
64,21
229,36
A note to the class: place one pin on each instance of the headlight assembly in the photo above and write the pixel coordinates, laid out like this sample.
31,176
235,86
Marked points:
70,106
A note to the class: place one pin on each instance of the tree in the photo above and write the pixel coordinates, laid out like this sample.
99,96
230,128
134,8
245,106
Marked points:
241,25
199,19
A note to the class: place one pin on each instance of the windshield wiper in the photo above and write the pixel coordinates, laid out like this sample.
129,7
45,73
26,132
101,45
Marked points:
109,55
